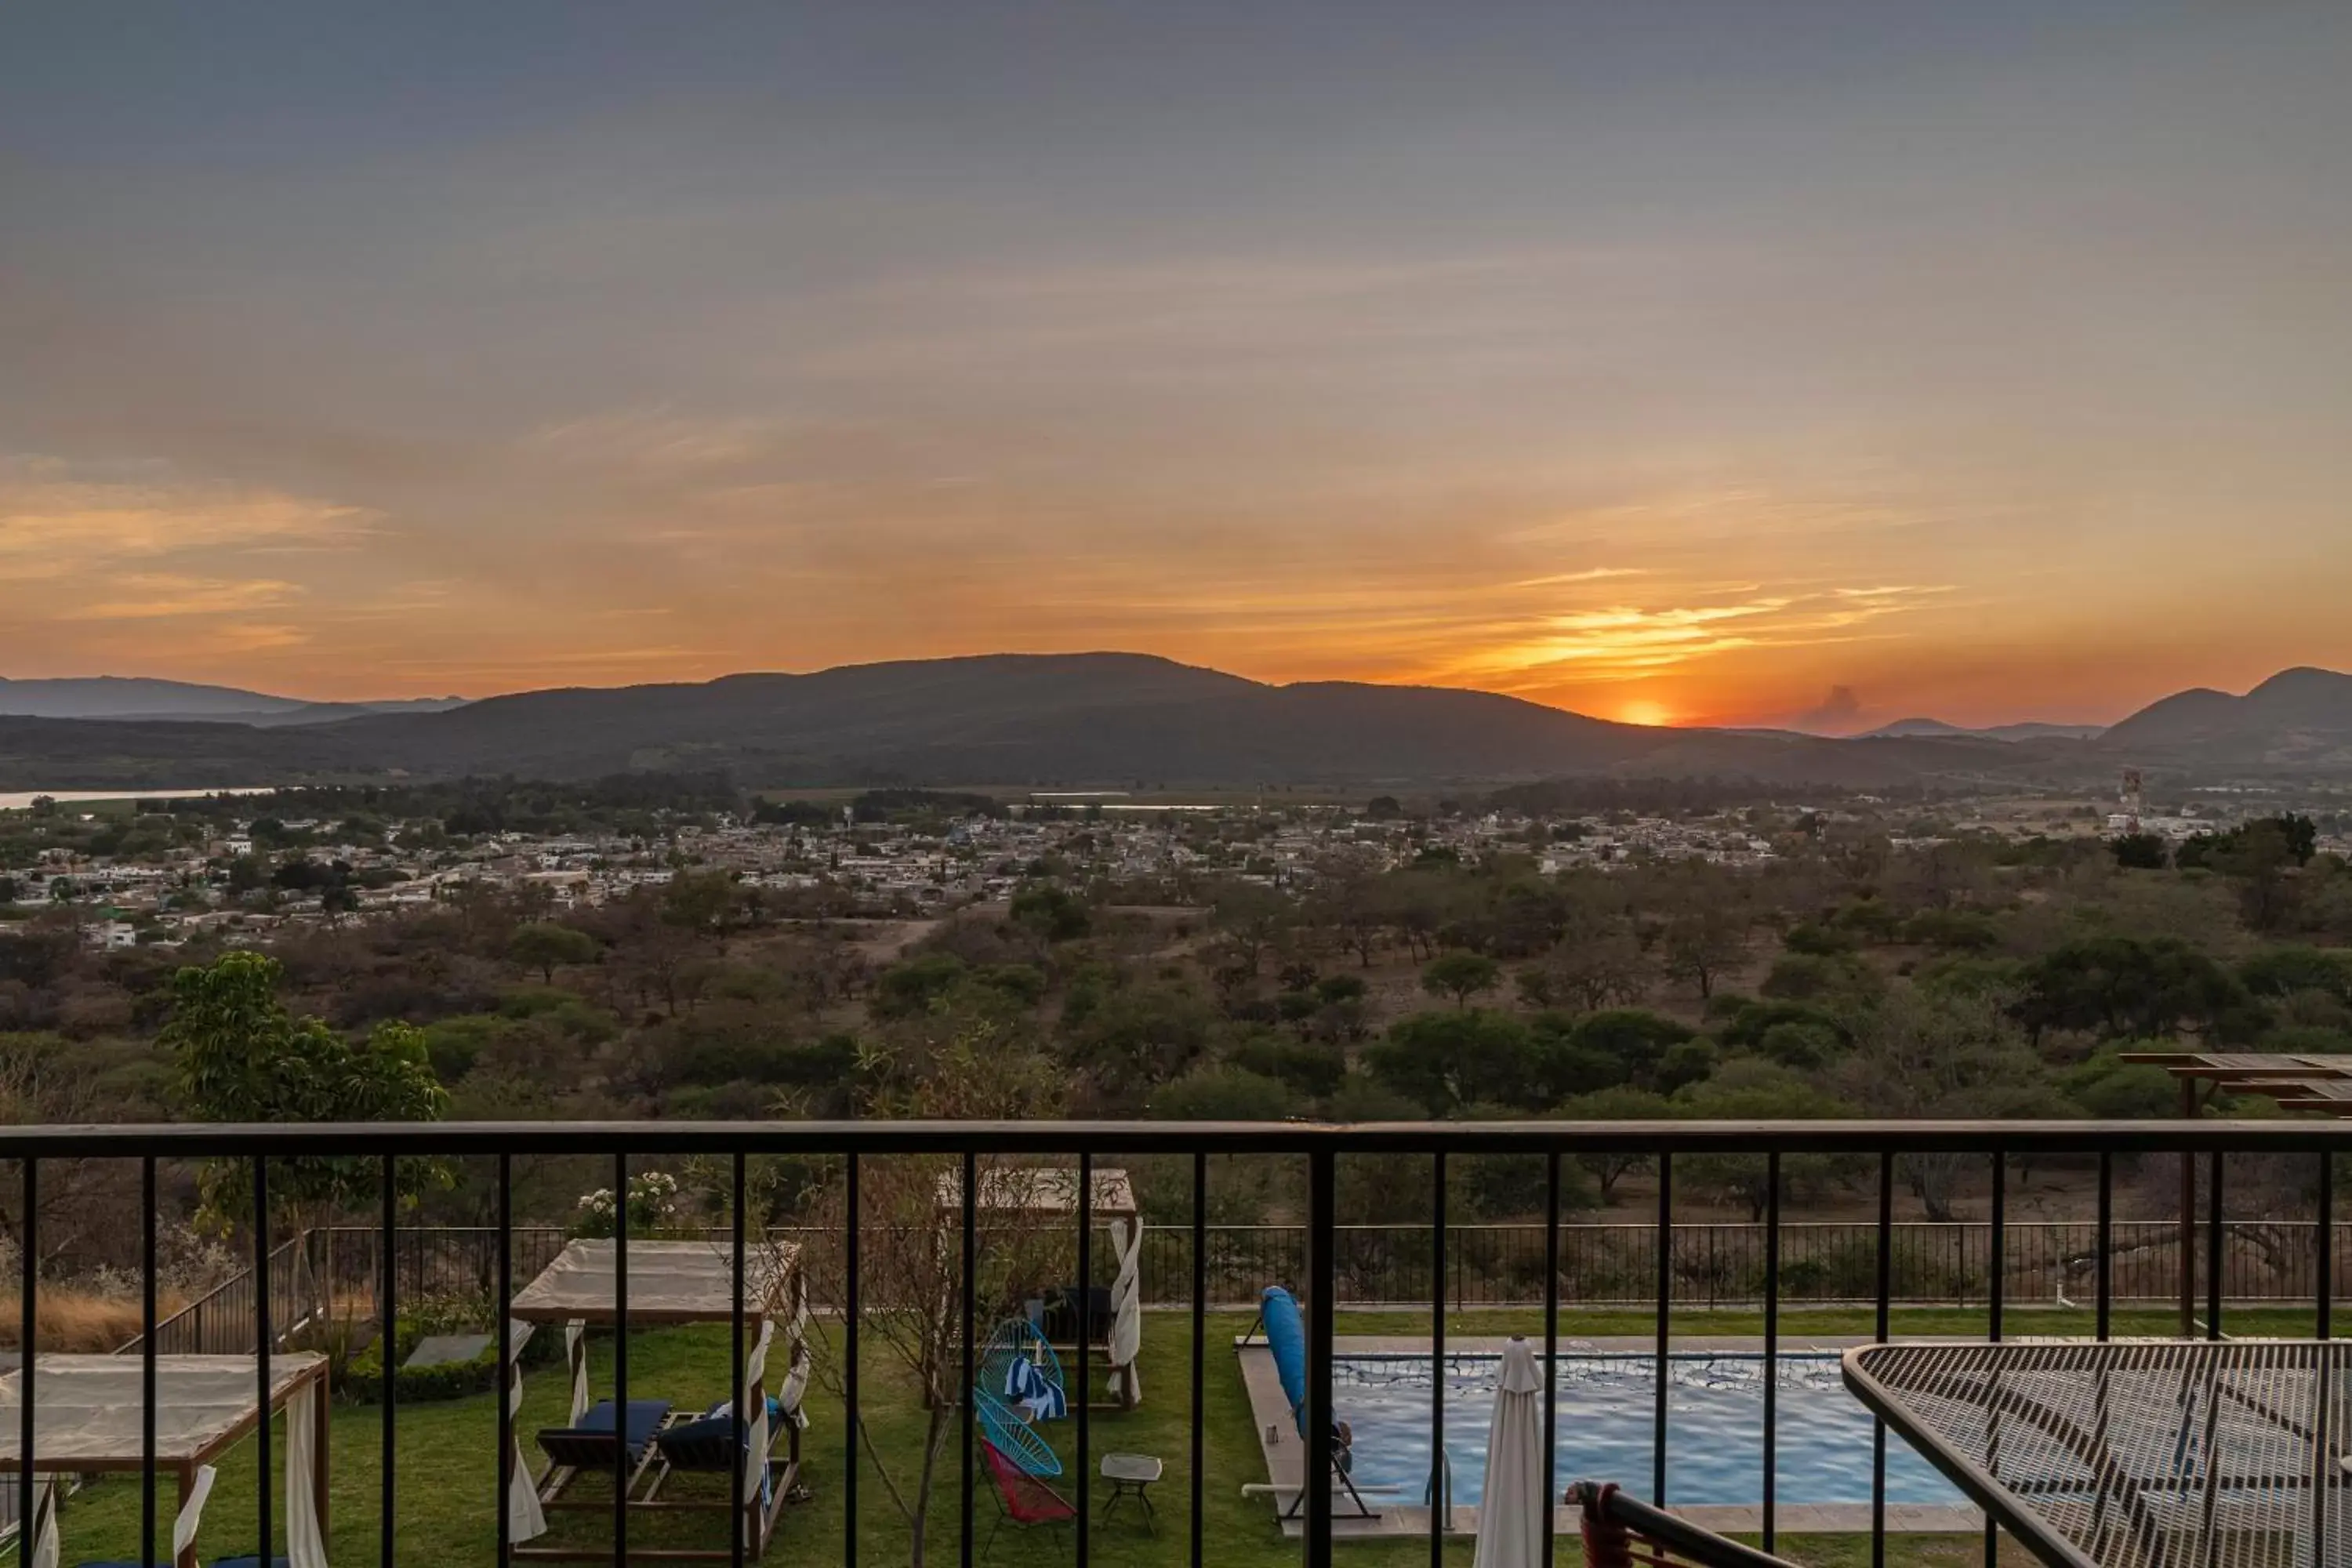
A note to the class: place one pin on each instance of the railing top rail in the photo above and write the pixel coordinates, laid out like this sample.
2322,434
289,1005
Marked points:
1137,1138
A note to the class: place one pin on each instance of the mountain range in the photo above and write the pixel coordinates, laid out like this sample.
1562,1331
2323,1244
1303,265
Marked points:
131,700
1093,717
1913,728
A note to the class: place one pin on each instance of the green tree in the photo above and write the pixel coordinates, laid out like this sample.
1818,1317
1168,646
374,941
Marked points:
2118,986
1701,942
2124,1091
1445,1061
2140,851
1632,1039
915,985
546,946
1222,1093
1461,975
2283,971
244,1057
1623,1103
706,902
1753,1090
1053,913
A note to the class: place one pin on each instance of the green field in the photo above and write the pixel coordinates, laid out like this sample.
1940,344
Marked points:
447,1483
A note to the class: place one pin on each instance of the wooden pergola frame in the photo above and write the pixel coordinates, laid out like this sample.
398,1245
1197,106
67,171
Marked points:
2297,1082
293,1374
711,1300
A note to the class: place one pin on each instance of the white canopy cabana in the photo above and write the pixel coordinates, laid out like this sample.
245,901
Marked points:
673,1283
1052,1192
88,1412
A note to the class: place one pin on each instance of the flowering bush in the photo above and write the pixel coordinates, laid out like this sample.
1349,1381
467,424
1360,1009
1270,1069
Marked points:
653,1206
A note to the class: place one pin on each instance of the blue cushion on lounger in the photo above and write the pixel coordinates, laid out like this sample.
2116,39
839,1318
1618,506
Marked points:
590,1444
248,1560
701,1444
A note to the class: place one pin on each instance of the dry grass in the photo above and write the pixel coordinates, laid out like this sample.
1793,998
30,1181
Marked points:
72,1321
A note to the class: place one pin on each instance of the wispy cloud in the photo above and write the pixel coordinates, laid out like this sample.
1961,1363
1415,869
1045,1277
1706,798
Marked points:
56,521
164,595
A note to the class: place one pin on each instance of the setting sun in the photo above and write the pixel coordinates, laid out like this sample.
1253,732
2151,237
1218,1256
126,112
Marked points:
1650,713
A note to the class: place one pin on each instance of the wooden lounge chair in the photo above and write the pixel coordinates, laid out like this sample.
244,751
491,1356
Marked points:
1022,1500
588,1447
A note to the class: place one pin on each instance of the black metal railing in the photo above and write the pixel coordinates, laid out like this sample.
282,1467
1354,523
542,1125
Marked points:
1708,1264
288,1284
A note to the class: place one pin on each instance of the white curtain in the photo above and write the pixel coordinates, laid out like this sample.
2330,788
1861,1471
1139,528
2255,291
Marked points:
1515,1513
192,1513
755,1370
306,1545
798,1360
575,1351
526,1521
1126,1311
47,1552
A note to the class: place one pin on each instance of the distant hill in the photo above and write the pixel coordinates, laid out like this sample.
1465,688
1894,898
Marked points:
1120,718
998,719
134,700
1105,717
2297,719
1913,729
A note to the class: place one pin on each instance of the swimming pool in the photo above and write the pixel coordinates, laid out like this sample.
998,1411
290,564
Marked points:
1715,1427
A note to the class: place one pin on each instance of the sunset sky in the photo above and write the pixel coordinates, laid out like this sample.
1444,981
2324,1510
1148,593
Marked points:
1759,362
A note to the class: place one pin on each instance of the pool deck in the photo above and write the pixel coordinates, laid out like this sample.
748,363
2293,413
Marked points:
1286,1456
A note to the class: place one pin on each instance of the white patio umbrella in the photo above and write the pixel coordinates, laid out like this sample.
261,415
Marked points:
1515,1513
1127,1311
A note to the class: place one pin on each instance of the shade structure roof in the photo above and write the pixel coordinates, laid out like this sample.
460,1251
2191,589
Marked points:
2141,1455
669,1282
88,1410
1040,1190
2302,1081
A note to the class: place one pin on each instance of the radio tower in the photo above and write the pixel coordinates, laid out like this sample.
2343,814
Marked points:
2133,802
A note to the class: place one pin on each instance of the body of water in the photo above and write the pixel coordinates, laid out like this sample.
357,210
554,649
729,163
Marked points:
1714,1428
20,800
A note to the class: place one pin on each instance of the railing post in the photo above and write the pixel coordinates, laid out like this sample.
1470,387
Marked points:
147,1359
2324,1296
29,1350
1771,1347
1322,1275
1086,1346
1665,1367
851,1307
388,1331
1551,1347
620,1356
1200,1340
261,1342
507,1459
963,1393
1439,1494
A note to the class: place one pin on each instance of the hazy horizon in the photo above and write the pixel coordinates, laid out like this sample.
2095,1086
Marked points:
1815,365
1828,723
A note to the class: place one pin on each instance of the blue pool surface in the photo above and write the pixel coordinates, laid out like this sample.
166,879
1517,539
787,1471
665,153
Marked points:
1715,1427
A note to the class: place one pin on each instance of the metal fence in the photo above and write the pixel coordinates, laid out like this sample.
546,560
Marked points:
1196,1265
1826,1263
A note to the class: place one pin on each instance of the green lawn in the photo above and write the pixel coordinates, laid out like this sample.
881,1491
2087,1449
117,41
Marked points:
448,1480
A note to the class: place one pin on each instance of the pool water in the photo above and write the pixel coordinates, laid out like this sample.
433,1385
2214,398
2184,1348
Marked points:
1714,1428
